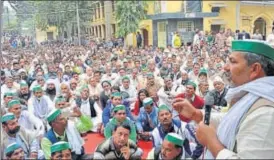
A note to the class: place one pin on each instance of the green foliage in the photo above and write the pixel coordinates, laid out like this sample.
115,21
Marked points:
53,13
128,16
10,21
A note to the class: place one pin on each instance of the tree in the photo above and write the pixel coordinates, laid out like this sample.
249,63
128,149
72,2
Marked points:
61,14
128,15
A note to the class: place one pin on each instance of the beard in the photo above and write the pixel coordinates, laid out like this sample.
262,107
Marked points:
51,91
25,96
15,130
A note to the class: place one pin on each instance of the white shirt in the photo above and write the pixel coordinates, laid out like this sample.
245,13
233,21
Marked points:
255,136
31,107
131,91
31,123
270,39
85,109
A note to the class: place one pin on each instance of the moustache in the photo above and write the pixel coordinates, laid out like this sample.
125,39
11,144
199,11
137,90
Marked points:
165,119
15,130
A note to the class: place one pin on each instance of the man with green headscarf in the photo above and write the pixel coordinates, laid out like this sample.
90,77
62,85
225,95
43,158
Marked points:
194,99
246,130
8,96
118,119
25,118
14,151
40,105
12,132
167,125
60,150
172,148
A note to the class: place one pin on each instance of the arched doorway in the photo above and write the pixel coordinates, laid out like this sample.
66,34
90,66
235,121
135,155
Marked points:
260,24
145,37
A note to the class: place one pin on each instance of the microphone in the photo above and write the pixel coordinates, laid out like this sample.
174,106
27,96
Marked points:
209,102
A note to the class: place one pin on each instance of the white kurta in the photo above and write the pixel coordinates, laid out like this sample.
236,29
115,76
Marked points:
31,107
255,136
85,109
32,123
132,93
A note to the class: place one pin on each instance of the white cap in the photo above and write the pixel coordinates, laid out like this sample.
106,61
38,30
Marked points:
218,79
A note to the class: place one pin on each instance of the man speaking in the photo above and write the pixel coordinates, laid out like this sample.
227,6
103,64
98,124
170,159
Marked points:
246,131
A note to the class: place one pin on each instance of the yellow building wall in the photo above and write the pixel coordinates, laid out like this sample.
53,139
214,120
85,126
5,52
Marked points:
147,24
150,7
42,35
228,14
255,12
174,6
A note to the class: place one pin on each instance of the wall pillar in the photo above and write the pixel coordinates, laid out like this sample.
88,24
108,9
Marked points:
238,16
108,18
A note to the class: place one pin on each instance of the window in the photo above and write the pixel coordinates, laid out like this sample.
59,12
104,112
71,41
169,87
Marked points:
185,26
215,9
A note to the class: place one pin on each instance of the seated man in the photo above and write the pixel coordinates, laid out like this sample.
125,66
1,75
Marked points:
39,104
194,99
128,88
167,124
116,99
169,91
120,118
8,96
13,133
60,150
172,148
14,151
64,130
90,108
147,119
24,93
118,146
26,119
219,93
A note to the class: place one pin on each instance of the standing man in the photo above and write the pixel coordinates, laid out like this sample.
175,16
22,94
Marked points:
257,35
246,130
177,40
139,39
270,38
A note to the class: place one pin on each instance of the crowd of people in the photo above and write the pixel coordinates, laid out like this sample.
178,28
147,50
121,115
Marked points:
52,95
